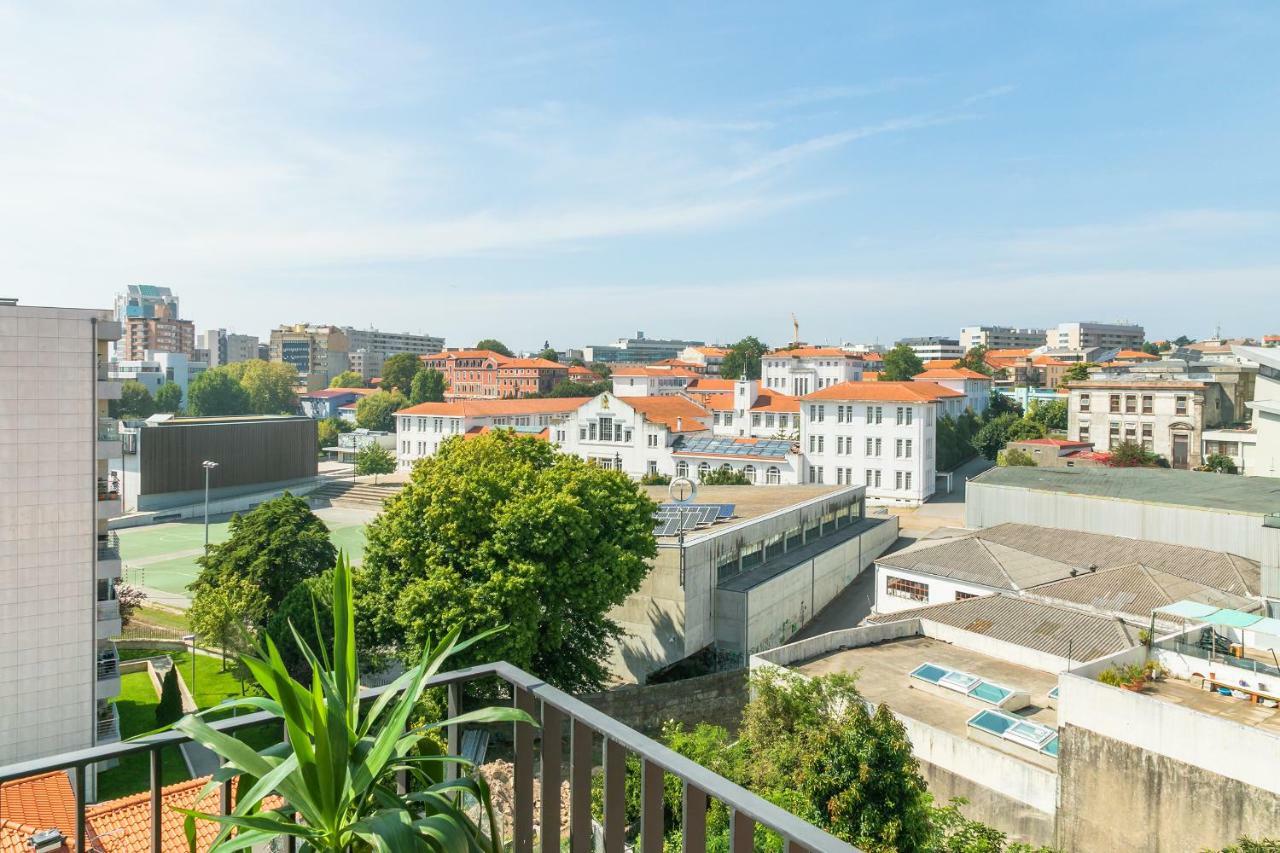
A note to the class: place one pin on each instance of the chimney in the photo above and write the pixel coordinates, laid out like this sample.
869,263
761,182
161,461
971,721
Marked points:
47,841
679,424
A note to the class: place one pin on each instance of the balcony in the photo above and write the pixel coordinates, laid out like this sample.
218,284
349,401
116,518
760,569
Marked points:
108,620
107,723
537,760
109,548
108,672
109,505
108,443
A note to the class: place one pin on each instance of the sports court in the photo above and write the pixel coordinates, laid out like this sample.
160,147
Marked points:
161,558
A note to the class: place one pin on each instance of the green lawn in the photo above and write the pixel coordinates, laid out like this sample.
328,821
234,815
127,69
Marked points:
136,706
163,618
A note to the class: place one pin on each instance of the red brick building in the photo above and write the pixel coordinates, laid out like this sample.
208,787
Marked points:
487,375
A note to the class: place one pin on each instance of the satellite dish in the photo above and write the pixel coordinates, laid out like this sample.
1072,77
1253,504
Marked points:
682,490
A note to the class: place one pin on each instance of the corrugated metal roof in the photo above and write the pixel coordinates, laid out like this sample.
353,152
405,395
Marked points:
1033,624
1023,556
1248,495
1137,591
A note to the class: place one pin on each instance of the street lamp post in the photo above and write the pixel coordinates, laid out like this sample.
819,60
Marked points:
208,466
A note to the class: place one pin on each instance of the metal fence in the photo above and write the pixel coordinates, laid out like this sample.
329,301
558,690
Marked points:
538,757
1194,649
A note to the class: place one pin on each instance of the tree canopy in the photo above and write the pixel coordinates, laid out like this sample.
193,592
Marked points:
900,364
275,547
135,401
975,359
1220,463
1076,372
216,392
742,361
224,614
374,459
573,388
504,530
398,372
169,398
428,387
1130,454
550,354
378,411
1051,413
494,345
347,379
269,385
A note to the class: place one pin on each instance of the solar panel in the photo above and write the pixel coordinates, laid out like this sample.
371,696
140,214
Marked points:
726,510
735,446
667,527
707,513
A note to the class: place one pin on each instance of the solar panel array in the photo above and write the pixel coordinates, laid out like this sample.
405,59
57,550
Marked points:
731,447
671,518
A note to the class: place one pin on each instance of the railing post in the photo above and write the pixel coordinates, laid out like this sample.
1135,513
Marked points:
157,792
580,743
796,847
741,833
552,753
454,709
650,807
522,818
615,796
224,794
290,843
695,820
80,801
402,776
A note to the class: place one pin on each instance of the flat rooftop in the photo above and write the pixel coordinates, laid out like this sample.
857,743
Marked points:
775,566
885,677
749,502
1245,495
1229,707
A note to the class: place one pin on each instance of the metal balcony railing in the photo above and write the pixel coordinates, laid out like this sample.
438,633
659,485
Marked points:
108,429
538,760
108,489
108,546
108,667
108,723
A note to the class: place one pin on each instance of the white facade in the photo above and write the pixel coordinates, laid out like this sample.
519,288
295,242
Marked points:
804,370
634,435
886,445
975,387
709,357
933,348
902,589
56,495
369,348
228,348
750,412
650,381
1165,418
1265,409
159,368
1088,334
1001,337
421,429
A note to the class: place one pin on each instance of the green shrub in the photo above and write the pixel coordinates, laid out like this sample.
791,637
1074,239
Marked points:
653,478
169,711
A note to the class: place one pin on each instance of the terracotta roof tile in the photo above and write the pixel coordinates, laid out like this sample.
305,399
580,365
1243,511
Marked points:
815,352
677,414
497,408
709,385
950,373
542,363
939,363
766,401
653,370
41,802
885,392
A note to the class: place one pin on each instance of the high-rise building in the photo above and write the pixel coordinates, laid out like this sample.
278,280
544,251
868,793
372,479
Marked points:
59,567
369,348
934,348
225,348
1001,337
1088,334
318,352
149,320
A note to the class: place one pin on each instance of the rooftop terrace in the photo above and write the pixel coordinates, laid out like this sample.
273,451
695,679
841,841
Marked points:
749,502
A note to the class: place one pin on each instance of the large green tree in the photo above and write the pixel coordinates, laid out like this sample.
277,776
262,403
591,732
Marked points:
742,361
224,614
275,547
1051,413
135,401
378,411
398,372
991,438
975,359
504,530
347,379
269,385
900,364
428,387
169,398
572,388
1076,372
550,354
1130,454
494,345
215,393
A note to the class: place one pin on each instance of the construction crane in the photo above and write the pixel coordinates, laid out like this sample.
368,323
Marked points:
795,329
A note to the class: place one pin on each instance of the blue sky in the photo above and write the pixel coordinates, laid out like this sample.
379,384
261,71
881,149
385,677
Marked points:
576,172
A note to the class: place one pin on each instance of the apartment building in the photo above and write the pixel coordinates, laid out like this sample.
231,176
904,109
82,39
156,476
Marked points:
59,566
487,375
933,348
1083,335
228,348
156,334
319,353
877,434
975,386
1001,337
803,369
637,350
421,429
709,357
156,369
369,348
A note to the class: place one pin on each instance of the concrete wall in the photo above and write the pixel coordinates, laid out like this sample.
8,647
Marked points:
941,589
803,650
1115,795
718,699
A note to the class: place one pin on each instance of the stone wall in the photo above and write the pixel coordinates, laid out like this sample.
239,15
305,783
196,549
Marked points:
717,699
1021,821
1116,796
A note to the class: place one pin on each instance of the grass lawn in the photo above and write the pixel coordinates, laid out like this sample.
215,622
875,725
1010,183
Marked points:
164,618
136,705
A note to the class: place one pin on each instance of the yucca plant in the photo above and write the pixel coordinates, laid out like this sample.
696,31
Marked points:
336,773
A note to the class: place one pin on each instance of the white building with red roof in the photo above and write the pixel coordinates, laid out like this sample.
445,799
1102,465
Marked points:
975,386
878,434
803,369
651,380
422,428
709,357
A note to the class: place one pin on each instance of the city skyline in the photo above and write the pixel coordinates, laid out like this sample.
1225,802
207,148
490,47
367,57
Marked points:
882,172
